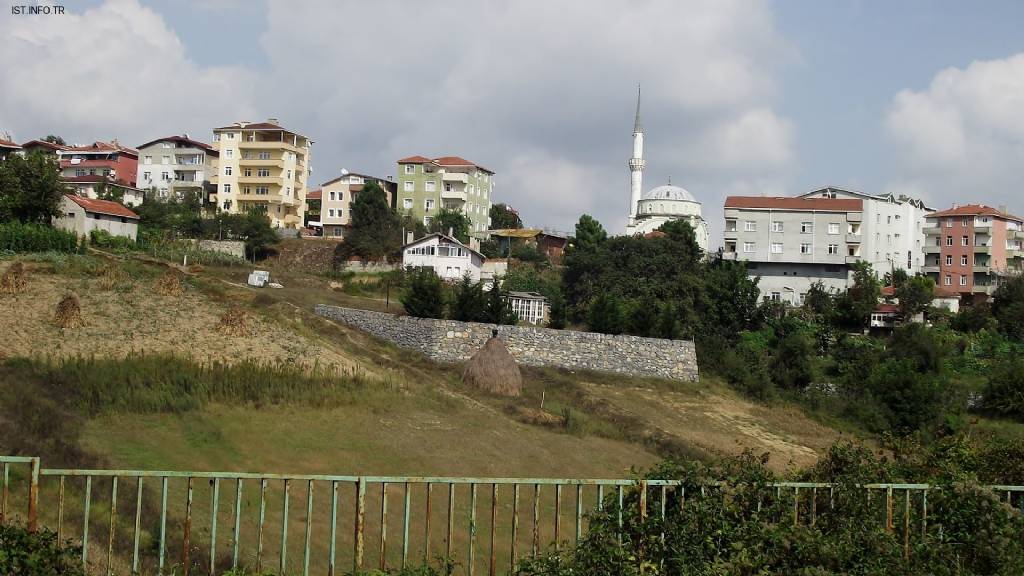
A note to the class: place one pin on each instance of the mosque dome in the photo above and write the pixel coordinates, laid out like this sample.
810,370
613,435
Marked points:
669,192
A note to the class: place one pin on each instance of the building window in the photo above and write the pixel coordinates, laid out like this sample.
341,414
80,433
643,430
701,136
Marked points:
776,247
165,160
963,280
148,160
262,190
226,188
265,155
749,226
230,135
949,259
427,220
227,170
949,280
964,222
949,240
833,228
229,153
330,212
776,226
963,241
263,172
431,185
289,174
147,176
337,231
247,172
407,203
428,204
963,260
776,297
748,247
81,172
410,168
833,249
805,248
949,223
407,186
806,227
730,225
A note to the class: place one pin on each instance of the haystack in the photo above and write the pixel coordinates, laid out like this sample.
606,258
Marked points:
111,277
235,322
69,312
14,280
494,369
169,284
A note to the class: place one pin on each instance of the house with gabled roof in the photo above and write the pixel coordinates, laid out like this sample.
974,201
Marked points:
83,215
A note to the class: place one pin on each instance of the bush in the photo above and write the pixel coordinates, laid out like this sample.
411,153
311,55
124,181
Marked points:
606,315
17,237
424,296
36,554
103,239
1004,393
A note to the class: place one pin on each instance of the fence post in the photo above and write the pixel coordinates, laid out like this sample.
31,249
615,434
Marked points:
33,497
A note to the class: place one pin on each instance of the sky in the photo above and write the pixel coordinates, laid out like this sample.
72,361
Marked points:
924,98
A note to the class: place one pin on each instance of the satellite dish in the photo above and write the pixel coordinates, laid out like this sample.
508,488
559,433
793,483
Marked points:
344,172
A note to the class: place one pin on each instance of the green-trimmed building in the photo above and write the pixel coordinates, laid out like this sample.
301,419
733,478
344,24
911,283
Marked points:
426,185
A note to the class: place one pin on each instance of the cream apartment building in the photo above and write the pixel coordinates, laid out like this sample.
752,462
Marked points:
337,195
262,166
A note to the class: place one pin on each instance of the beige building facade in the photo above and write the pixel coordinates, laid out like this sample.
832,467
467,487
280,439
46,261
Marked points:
263,167
337,195
83,215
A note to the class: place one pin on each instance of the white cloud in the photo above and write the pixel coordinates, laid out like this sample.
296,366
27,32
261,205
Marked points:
962,138
113,71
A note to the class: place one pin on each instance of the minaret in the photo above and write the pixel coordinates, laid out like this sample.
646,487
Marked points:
636,164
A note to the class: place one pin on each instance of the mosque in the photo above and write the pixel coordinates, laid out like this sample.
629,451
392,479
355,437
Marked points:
649,210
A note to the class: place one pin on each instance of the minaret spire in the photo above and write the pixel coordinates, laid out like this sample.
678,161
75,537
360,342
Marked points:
636,166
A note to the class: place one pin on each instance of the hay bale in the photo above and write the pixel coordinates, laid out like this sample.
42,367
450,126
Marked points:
111,277
494,370
14,280
69,312
168,284
235,322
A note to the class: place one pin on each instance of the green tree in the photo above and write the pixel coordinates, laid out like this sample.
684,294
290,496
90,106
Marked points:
1008,306
504,217
108,191
680,231
30,188
589,233
856,305
52,139
896,277
818,300
499,309
424,295
667,324
641,320
731,299
259,237
793,353
558,315
451,222
974,318
375,228
1004,393
915,295
606,315
469,303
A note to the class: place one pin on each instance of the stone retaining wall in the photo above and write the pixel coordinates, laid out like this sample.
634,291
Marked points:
453,341
234,248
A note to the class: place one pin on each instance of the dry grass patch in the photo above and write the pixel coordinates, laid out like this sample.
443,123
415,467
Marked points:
235,322
14,280
69,312
169,284
111,277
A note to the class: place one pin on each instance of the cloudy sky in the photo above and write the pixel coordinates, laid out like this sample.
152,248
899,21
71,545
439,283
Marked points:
921,97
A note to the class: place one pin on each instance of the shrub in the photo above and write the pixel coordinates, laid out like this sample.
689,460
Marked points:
424,297
606,315
17,237
168,284
15,279
103,239
1004,393
36,554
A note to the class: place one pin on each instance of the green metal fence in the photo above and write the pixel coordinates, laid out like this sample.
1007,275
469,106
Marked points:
163,522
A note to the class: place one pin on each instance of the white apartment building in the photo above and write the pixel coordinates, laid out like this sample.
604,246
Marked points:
336,197
176,165
791,243
449,258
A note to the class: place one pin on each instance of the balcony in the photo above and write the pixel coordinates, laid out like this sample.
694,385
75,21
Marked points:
854,217
985,228
255,197
731,234
932,249
932,230
276,162
982,249
853,238
983,289
454,195
981,269
852,259
273,145
259,179
455,177
932,269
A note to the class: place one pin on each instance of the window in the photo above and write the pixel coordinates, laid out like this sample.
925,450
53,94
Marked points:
833,228
289,174
226,188
407,203
749,226
265,155
448,187
148,160
263,172
230,135
805,248
427,220
410,168
963,241
806,227
748,247
81,172
407,185
227,170
949,223
949,280
730,225
888,219
332,197
247,172
964,222
949,240
147,176
963,260
337,231
833,249
165,160
431,185
963,280
776,247
263,190
949,259
428,204
330,212
776,297
776,226
341,212
229,153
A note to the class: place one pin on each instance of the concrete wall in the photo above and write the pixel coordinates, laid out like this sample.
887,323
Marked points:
232,247
452,341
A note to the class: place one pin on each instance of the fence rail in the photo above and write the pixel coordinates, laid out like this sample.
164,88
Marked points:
445,518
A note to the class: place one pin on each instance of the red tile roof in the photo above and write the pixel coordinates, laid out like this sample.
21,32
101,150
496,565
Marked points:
9,144
938,292
888,291
315,194
102,147
784,203
414,160
887,309
256,126
974,210
183,140
67,163
102,206
44,144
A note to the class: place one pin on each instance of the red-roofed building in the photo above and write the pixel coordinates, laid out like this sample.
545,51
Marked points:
334,218
43,147
971,248
428,185
7,148
83,215
100,159
91,187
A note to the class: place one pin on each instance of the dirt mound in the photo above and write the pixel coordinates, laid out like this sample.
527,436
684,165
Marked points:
494,369
69,312
14,280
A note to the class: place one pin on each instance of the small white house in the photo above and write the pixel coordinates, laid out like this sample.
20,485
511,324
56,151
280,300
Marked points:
83,215
88,186
449,258
530,307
